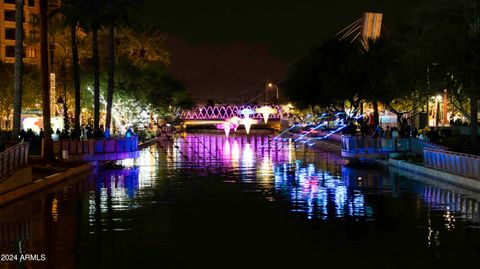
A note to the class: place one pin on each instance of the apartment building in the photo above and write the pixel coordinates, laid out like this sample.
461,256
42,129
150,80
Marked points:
31,28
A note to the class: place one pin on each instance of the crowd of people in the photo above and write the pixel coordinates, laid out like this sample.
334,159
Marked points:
86,132
362,128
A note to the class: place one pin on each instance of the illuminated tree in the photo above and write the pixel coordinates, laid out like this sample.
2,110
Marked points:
116,12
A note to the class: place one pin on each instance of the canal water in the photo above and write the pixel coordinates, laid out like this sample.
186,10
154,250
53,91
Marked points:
206,201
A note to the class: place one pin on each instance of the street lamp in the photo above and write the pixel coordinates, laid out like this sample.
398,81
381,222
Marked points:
271,85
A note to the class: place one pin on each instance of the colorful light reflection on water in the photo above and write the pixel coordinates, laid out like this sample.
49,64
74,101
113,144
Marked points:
208,190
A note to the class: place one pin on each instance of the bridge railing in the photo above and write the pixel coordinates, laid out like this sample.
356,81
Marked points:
13,158
225,112
96,146
452,162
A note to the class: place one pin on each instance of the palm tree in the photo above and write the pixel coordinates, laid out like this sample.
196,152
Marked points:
57,40
95,9
72,10
145,44
17,99
116,11
48,145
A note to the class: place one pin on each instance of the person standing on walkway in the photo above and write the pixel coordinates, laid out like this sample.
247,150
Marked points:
388,133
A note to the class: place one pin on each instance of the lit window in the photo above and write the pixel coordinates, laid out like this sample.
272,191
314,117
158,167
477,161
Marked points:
31,53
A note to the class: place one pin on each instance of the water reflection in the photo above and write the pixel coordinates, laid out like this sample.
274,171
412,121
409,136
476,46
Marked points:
206,180
318,193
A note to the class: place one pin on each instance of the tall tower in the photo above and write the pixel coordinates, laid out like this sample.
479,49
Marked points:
31,31
367,27
371,27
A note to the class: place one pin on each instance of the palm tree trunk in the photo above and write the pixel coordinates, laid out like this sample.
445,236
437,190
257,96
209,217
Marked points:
47,144
66,123
96,78
51,48
17,92
76,77
473,120
376,115
111,73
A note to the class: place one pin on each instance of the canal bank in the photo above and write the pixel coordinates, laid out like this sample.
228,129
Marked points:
457,180
44,182
27,183
334,143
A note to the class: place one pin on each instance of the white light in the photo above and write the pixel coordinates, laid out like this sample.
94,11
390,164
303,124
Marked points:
266,111
246,112
247,122
226,128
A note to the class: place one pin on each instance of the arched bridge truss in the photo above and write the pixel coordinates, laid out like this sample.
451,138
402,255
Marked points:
227,112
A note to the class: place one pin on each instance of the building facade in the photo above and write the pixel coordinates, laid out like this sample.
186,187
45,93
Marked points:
31,35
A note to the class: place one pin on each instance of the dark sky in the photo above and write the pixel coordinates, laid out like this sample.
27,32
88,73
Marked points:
233,44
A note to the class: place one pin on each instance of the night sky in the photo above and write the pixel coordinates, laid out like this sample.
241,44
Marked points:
225,47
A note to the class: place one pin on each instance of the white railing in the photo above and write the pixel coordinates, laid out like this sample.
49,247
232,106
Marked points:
379,145
418,145
96,146
13,158
452,162
358,144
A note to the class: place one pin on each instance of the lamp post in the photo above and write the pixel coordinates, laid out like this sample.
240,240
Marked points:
271,85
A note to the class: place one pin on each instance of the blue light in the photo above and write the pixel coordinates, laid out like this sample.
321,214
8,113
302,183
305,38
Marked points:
318,126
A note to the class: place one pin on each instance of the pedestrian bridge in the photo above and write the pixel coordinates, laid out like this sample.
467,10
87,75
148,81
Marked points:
222,112
97,149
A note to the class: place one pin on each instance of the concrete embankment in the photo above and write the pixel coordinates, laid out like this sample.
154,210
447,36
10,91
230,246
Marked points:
40,184
413,170
420,170
25,183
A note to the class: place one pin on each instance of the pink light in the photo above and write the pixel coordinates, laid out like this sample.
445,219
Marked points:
235,121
